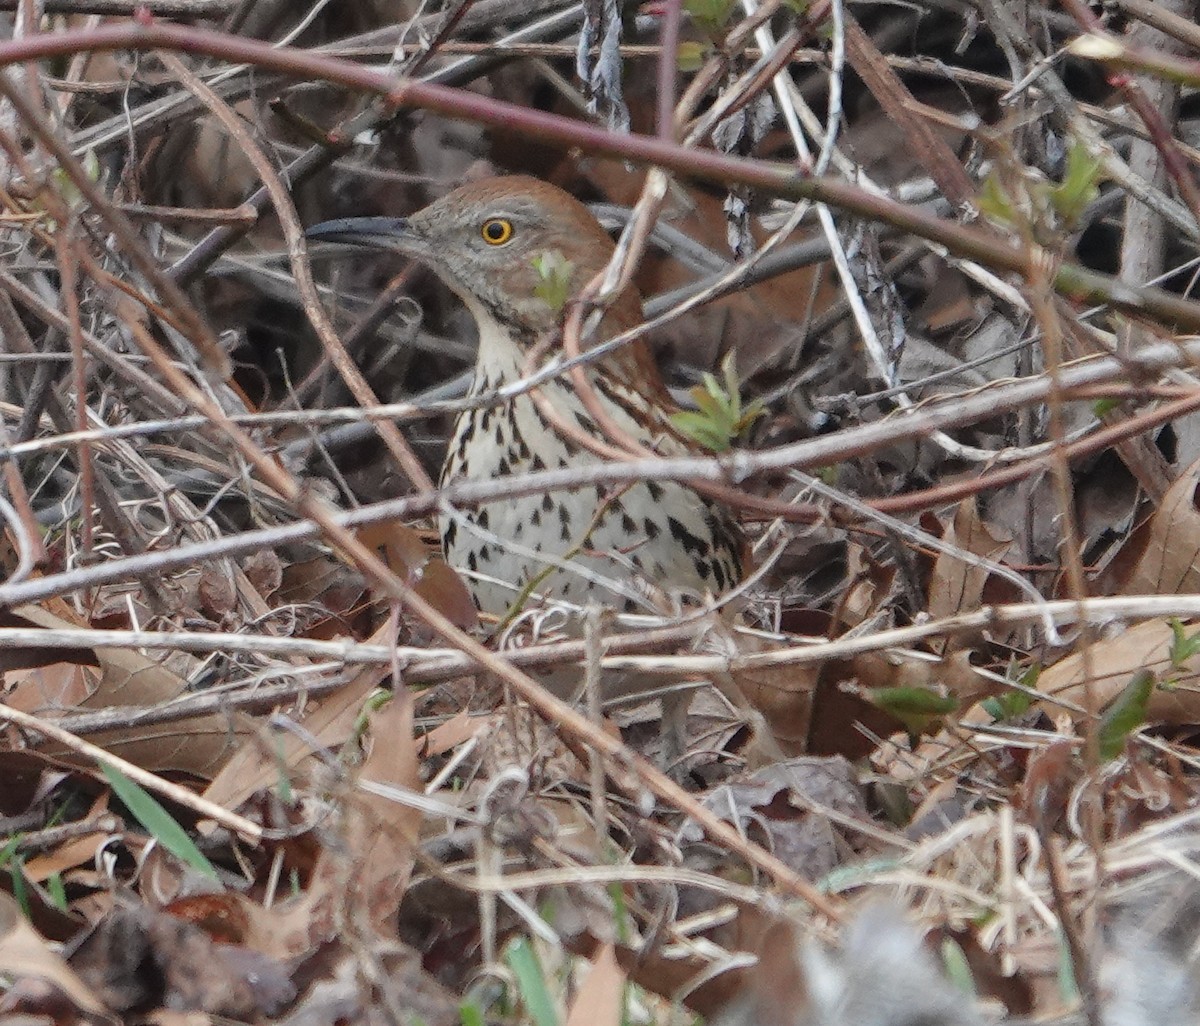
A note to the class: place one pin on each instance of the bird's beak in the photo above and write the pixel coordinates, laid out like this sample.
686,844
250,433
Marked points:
393,233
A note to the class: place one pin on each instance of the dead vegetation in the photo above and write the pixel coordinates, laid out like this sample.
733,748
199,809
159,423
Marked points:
261,762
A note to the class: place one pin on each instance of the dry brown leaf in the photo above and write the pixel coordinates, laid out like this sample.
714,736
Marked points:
1108,665
1050,776
287,930
443,589
455,731
23,953
957,584
57,686
784,808
374,863
258,763
601,997
1168,565
783,695
264,571
331,594
750,929
140,956
383,832
75,851
905,766
198,745
869,583
216,593
426,573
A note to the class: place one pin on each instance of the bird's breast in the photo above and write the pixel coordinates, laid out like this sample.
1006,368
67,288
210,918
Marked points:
584,541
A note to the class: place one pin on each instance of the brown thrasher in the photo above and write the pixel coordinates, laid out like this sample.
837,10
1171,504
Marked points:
492,242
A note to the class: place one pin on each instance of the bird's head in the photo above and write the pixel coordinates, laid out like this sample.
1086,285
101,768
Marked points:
514,249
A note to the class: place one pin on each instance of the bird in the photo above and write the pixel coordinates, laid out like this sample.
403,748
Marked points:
498,243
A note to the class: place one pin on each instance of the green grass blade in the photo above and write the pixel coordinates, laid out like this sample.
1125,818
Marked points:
524,963
157,821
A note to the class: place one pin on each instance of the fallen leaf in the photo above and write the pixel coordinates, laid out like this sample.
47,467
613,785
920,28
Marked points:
140,957
383,832
407,555
601,997
1168,565
1100,672
261,761
957,584
123,677
23,953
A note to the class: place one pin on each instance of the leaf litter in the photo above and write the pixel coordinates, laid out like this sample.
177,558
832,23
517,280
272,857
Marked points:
977,820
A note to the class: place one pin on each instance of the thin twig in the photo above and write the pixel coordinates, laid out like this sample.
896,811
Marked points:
1072,280
248,829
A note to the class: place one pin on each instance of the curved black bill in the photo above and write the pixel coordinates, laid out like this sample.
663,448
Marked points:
374,232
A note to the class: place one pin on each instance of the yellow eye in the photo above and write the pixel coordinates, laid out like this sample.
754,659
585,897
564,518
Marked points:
496,231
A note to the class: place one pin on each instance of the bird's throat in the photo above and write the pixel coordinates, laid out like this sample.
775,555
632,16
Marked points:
503,349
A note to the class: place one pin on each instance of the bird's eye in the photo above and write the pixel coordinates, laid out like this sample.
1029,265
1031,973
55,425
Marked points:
496,231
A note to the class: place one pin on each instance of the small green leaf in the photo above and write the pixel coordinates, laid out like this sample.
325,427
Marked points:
531,983
20,890
710,16
91,165
719,419
1102,406
958,969
616,894
691,55
914,700
554,279
856,874
1068,988
1182,646
1012,703
10,849
994,203
157,821
375,701
893,800
1007,706
699,428
917,708
1080,184
56,890
710,405
68,190
1124,715
470,1014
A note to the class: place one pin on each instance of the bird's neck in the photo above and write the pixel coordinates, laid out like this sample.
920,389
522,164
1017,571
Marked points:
504,348
501,357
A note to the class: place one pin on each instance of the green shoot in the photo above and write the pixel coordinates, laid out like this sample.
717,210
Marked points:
720,418
554,279
1124,715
